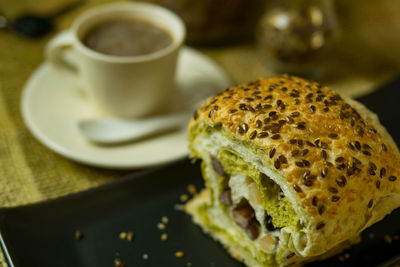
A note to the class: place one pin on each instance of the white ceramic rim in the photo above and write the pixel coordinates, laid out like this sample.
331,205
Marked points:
153,12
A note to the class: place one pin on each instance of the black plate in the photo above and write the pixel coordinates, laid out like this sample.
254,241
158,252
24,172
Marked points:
44,234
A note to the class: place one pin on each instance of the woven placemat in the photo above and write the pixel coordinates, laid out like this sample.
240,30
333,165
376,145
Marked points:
30,172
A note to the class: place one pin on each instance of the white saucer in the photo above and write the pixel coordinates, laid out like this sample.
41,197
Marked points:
52,104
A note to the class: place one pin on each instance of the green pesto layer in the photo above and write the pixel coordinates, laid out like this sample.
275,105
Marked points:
281,211
283,215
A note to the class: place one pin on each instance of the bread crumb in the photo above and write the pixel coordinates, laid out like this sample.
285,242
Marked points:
179,207
118,263
388,239
161,226
122,235
164,237
78,235
179,254
192,189
371,235
145,256
130,236
164,219
184,197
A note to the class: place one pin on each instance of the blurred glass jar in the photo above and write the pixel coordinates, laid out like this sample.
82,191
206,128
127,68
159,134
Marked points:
295,36
216,21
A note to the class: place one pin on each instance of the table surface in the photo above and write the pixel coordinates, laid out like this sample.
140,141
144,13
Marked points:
365,58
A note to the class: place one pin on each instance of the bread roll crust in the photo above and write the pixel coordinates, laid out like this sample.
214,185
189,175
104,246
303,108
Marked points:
341,167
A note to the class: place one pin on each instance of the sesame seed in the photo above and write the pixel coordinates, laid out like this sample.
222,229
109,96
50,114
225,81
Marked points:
366,152
289,119
333,190
267,120
272,152
262,135
272,113
378,184
253,135
324,154
339,159
292,141
277,164
295,114
324,172
384,148
268,97
320,225
226,98
295,152
297,188
282,159
321,209
299,164
335,198
258,123
306,162
366,146
392,178
373,166
341,181
341,166
212,102
357,145
301,126
275,137
325,109
370,203
291,255
314,201
232,111
249,99
310,144
333,135
312,108
382,172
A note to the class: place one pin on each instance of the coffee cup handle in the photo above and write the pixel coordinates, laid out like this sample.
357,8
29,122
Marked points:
59,51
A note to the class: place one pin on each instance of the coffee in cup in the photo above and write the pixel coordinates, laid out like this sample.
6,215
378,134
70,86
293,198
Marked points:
124,54
127,37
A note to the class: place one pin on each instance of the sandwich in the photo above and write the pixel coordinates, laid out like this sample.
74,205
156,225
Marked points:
293,171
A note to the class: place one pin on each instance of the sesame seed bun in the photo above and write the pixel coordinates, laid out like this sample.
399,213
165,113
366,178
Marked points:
334,162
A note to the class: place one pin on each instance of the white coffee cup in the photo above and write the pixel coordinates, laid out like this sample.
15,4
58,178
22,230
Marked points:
121,86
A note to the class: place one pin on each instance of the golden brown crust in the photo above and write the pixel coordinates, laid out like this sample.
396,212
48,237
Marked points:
334,160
